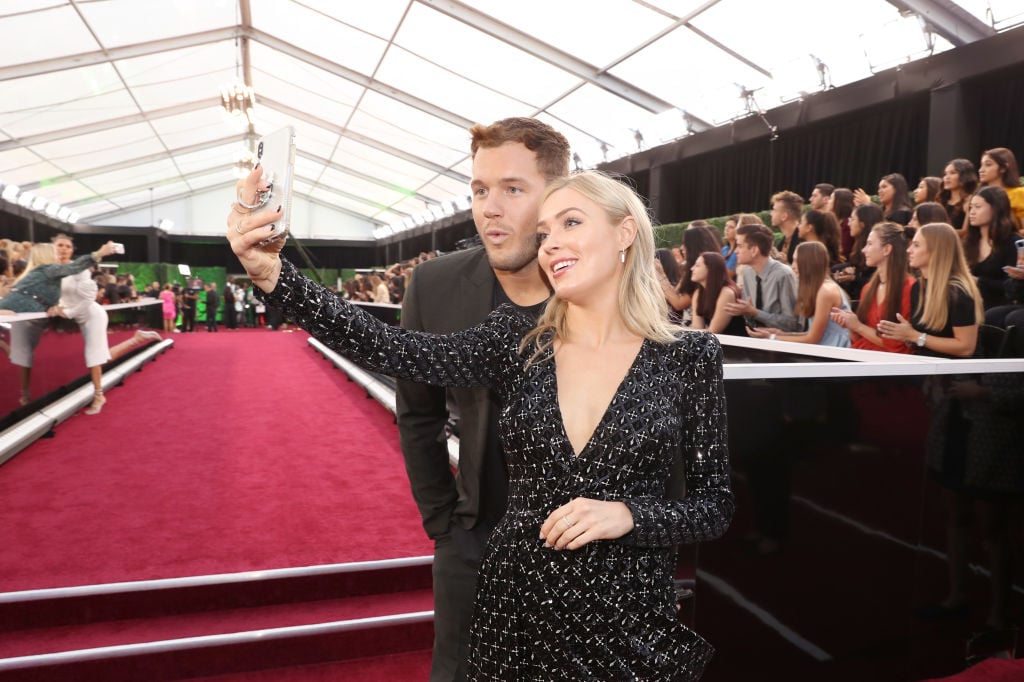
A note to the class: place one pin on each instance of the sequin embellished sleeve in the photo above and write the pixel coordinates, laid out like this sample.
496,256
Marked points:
483,355
706,510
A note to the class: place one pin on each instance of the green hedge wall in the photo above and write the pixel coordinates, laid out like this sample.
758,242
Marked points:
671,234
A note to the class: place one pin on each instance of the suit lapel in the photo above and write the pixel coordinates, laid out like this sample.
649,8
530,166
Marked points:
477,282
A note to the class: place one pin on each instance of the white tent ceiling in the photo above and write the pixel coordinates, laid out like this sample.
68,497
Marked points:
111,107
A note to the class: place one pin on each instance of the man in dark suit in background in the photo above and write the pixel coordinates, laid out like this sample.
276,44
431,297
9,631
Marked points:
513,160
230,316
189,303
212,303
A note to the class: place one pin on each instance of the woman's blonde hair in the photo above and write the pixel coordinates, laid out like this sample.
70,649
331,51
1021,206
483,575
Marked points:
947,268
42,253
642,304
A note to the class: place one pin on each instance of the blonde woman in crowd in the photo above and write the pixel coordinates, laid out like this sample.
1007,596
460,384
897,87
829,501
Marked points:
946,303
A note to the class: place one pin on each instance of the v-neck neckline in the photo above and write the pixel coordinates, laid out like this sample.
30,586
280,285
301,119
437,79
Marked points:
607,410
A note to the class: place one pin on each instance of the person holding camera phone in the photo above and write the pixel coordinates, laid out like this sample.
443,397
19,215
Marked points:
600,398
575,581
78,302
37,290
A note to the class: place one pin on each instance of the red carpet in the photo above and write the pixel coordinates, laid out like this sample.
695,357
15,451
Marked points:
405,666
234,451
59,359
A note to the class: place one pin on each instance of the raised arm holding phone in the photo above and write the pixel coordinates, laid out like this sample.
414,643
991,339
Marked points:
576,579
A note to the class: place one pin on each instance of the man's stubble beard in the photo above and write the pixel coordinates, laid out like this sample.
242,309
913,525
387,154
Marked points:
517,259
513,262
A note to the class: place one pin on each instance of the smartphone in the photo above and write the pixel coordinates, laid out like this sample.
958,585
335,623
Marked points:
118,248
1020,246
276,153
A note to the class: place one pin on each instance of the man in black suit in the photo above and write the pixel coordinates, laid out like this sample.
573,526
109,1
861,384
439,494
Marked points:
189,302
230,316
513,159
212,303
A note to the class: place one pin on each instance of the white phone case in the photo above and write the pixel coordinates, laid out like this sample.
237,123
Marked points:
276,153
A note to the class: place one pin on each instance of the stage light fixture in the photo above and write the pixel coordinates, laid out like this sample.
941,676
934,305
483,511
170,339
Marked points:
73,218
166,224
25,199
52,208
63,213
10,193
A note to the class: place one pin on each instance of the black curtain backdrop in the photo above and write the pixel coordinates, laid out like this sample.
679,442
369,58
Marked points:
998,102
853,151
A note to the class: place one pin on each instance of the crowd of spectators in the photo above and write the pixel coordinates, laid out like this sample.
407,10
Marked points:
383,286
839,292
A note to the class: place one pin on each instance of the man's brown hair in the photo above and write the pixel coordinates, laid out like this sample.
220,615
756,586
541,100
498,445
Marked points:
550,146
791,201
757,235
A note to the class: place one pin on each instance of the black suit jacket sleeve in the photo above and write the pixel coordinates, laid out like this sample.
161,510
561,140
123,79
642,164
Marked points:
422,414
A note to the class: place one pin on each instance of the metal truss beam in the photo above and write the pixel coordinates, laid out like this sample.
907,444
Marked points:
948,19
363,139
244,33
117,53
563,60
136,161
358,78
92,220
108,124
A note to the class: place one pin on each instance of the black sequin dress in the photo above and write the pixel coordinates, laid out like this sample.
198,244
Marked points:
607,610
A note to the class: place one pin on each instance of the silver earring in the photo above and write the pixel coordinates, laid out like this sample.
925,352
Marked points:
622,255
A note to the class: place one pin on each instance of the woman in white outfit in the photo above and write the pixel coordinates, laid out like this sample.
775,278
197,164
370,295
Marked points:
78,301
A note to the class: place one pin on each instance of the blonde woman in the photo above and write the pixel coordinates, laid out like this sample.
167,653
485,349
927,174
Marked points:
37,290
598,396
945,300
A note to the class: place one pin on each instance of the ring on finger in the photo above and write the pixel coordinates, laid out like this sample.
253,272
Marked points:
238,227
567,522
262,197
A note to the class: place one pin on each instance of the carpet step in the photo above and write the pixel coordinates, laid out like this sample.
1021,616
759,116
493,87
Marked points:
52,608
223,624
413,665
222,642
37,641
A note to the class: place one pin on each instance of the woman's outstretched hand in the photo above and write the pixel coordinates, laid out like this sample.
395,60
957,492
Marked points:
248,229
584,520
